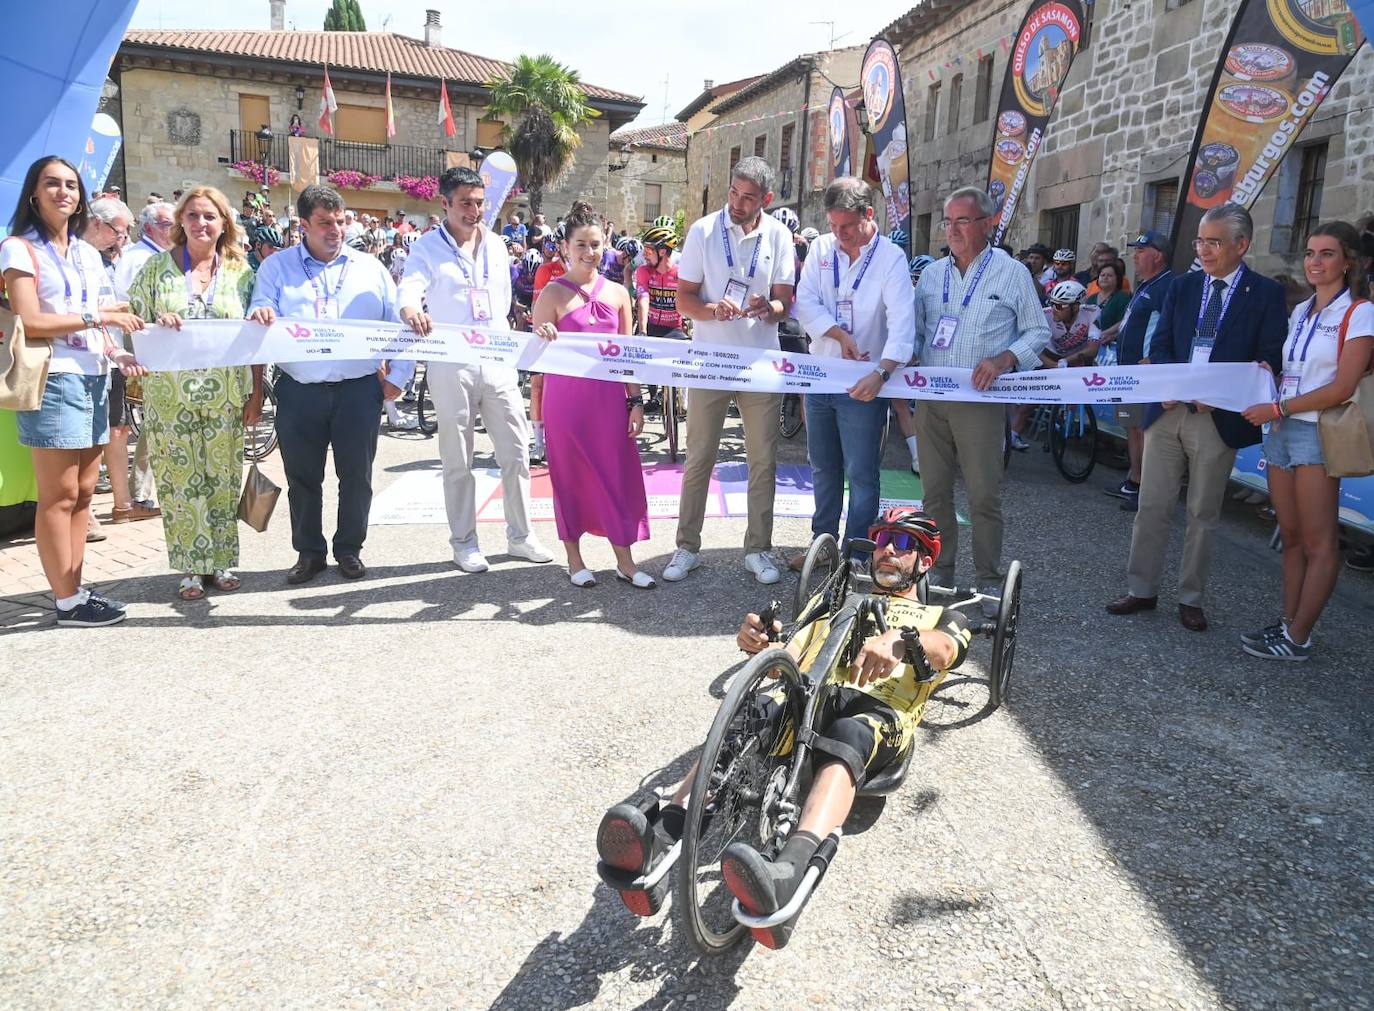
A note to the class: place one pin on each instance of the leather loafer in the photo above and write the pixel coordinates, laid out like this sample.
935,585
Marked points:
1192,618
351,566
1130,605
307,567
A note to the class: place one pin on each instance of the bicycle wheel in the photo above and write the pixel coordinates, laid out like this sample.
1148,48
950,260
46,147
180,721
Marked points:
790,415
1004,638
134,409
1006,443
261,440
424,408
1073,441
671,426
822,559
732,781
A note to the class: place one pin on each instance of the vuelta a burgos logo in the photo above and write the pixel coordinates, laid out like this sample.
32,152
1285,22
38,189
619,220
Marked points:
917,380
474,337
1095,380
784,366
299,332
610,349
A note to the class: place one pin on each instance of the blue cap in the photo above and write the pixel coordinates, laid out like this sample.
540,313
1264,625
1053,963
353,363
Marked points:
1153,239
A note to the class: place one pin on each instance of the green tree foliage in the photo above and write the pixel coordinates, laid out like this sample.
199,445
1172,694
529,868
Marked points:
542,104
345,16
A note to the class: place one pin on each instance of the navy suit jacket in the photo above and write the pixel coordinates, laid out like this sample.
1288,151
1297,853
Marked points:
1253,330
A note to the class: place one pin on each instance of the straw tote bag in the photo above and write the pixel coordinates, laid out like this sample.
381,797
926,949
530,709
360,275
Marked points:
23,363
1347,430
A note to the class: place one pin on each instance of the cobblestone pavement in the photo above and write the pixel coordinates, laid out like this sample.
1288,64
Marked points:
385,793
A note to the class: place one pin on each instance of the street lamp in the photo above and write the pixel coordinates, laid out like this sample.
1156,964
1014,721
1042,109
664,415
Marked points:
623,158
476,154
861,113
265,149
300,98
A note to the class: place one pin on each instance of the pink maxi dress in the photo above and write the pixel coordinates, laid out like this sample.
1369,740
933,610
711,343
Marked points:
598,487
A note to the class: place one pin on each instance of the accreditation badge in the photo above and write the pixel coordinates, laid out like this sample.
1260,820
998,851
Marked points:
737,291
944,332
1202,352
1288,385
844,315
479,300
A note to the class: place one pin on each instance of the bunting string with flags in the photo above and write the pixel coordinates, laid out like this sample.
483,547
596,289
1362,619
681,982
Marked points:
328,105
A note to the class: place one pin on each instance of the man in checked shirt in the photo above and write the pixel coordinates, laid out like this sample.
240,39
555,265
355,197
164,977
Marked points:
975,309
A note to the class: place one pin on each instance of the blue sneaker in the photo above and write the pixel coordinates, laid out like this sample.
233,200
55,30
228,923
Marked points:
92,614
1282,648
93,594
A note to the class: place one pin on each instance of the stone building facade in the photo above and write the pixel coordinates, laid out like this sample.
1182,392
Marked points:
647,175
1114,156
781,117
190,103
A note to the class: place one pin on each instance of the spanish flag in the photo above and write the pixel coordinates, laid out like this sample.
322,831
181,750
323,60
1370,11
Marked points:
390,112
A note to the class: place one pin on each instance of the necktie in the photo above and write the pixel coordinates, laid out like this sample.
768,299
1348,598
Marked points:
1211,316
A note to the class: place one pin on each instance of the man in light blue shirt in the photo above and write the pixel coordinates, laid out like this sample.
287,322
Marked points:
975,309
331,404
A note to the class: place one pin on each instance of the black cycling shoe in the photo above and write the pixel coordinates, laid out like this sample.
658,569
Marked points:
630,841
762,886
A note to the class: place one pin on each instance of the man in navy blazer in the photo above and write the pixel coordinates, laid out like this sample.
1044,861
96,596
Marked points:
1223,313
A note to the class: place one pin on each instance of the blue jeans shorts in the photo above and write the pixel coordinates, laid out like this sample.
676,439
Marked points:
1293,443
75,413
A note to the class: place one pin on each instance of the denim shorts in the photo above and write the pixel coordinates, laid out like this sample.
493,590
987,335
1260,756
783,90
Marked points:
1293,443
75,413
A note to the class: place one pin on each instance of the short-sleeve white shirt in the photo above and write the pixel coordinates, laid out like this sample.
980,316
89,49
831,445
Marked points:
1315,361
81,352
704,261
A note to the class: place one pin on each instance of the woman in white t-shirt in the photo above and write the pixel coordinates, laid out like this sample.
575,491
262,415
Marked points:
53,281
1330,339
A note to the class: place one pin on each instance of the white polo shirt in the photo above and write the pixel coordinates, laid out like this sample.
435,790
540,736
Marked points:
876,283
440,275
717,250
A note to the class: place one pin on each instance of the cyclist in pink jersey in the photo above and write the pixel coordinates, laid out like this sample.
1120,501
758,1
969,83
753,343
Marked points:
656,283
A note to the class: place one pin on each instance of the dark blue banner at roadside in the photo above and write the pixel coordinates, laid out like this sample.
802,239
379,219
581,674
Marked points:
882,85
838,117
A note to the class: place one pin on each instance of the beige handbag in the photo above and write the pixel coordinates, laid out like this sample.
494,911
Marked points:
23,363
258,500
1347,430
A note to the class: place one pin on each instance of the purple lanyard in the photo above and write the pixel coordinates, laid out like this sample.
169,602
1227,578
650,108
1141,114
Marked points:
968,292
322,292
209,295
150,245
1312,332
835,268
61,265
1225,303
730,253
486,269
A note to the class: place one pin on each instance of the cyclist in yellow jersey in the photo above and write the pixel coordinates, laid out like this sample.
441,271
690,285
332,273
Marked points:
872,721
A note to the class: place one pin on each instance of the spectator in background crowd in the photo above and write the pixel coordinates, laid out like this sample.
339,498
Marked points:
1102,255
975,309
1110,298
515,228
1239,317
1327,353
295,127
1061,268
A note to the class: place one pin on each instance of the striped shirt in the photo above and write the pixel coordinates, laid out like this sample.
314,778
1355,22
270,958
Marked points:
1004,313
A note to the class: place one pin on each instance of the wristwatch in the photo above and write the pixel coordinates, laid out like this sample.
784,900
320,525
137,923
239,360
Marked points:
88,320
883,372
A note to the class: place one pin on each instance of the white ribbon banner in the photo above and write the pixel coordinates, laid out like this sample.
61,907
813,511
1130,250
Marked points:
1232,386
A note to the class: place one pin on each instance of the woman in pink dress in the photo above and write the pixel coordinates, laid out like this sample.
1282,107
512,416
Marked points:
591,424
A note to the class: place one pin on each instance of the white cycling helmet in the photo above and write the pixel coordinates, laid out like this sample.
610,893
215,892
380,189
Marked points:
809,234
1065,256
788,217
1067,293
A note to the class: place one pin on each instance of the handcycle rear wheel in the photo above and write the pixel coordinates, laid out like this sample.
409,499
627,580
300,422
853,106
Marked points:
1004,638
822,559
732,778
1073,441
672,398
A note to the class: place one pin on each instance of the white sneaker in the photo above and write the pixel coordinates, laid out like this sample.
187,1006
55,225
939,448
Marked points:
761,564
992,602
915,463
470,559
682,562
1019,444
529,549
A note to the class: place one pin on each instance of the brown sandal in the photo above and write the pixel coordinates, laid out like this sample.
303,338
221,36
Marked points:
191,588
225,581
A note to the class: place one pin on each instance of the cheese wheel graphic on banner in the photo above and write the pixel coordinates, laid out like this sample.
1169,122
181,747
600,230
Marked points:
882,87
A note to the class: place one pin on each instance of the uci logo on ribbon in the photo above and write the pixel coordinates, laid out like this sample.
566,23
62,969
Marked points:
610,349
785,367
917,380
1095,380
299,332
475,338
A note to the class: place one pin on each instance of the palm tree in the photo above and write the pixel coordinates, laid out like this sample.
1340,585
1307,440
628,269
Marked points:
542,104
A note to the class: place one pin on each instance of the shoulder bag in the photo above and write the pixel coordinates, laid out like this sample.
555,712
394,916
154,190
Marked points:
23,363
1347,430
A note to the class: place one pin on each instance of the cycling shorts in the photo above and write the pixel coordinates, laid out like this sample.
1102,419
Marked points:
671,332
862,733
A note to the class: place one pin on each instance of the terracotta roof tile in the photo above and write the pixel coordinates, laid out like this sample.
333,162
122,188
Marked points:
667,137
370,52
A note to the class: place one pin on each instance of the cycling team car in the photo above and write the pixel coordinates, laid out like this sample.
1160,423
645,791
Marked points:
803,730
657,315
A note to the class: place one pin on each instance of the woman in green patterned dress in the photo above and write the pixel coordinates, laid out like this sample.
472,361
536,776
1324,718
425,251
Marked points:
196,418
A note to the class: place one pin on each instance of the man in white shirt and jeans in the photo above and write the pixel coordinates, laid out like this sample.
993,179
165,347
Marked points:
461,271
854,299
735,280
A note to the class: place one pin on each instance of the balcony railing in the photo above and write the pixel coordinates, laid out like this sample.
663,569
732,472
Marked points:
386,161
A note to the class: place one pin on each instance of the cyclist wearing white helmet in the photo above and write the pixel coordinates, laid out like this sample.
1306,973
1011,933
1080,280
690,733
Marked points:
788,217
1074,336
1062,267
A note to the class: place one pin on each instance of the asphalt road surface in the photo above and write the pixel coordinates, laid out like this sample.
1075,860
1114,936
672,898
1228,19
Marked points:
385,793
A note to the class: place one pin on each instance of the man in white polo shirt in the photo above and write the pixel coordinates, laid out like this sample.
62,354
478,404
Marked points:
461,272
855,301
735,280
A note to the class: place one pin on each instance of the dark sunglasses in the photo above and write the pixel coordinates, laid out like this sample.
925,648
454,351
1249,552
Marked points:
901,540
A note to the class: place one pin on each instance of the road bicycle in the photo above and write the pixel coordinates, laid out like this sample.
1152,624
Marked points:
1069,432
259,441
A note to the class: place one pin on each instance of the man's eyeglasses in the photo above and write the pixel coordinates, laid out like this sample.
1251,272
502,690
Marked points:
947,223
1213,244
901,540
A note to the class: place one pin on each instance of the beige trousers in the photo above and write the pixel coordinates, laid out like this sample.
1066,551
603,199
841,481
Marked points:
706,410
1179,441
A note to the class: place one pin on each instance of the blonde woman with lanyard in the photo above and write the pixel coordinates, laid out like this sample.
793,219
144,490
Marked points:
1330,338
196,418
53,280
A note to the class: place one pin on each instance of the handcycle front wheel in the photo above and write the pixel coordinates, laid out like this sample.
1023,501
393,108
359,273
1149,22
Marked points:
822,559
1004,638
1073,441
731,780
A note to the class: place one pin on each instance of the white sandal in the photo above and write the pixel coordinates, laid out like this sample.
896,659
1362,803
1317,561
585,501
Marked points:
191,588
582,578
640,580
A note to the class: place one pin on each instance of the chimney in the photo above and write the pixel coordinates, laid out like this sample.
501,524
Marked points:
432,29
708,85
278,15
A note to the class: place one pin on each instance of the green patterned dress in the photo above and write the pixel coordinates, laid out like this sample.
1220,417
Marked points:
195,419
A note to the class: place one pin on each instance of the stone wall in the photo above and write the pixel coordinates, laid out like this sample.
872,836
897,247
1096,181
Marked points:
667,169
1125,119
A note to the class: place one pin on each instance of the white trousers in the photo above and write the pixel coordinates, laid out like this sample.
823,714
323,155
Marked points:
461,393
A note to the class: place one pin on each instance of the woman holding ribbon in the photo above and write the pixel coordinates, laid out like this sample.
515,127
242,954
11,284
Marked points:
1330,340
598,487
52,282
196,418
